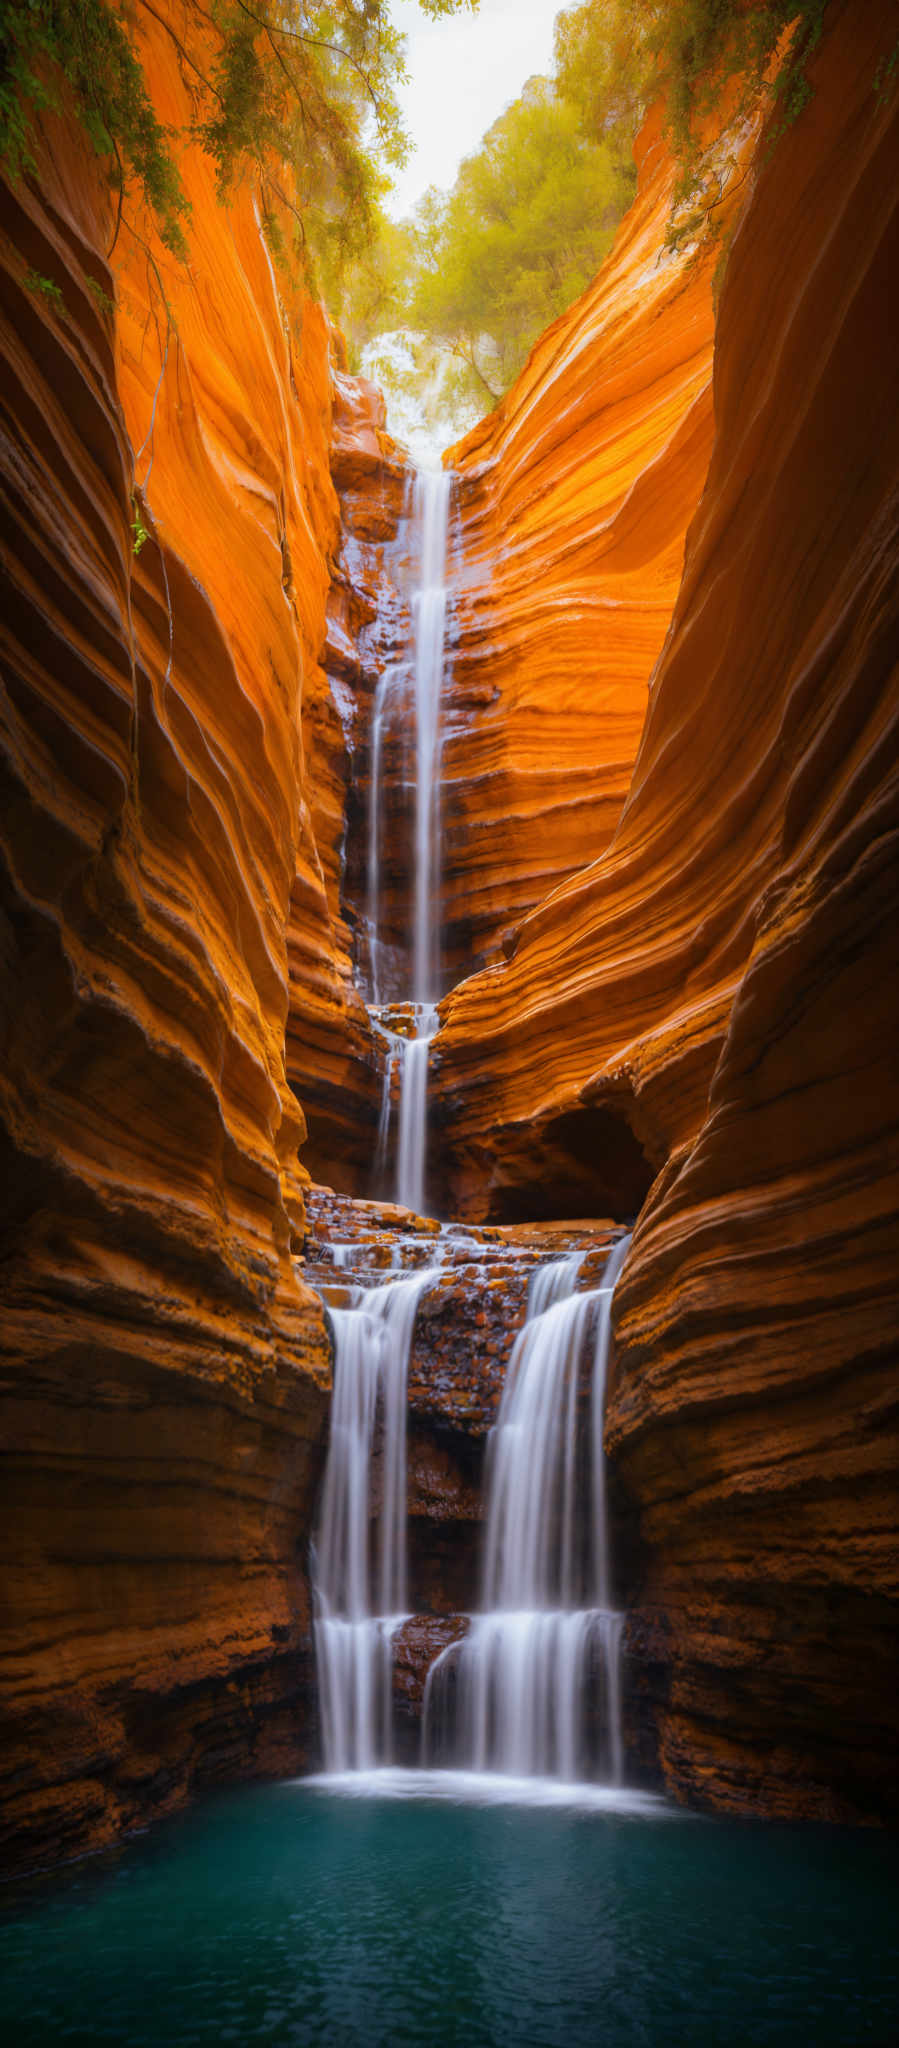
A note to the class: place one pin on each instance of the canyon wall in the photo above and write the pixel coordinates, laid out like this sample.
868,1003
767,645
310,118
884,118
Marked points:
333,1058
698,1025
573,500
170,880
710,1009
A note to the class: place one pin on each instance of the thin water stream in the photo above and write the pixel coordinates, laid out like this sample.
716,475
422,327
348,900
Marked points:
408,1055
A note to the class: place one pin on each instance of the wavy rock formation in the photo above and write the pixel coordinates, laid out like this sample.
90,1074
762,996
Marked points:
333,1059
574,498
718,995
165,860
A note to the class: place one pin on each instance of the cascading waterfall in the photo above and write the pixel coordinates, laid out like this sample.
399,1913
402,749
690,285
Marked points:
515,1695
431,511
359,1564
520,1676
430,514
385,693
359,1567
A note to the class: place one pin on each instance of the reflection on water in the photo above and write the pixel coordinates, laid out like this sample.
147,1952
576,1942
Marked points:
292,1914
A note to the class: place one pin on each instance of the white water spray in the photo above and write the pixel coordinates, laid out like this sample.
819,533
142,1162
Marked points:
359,1567
523,1673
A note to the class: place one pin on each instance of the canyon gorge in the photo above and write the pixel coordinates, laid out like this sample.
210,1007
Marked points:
633,928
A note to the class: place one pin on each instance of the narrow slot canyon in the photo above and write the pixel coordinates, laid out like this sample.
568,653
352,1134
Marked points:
450,1109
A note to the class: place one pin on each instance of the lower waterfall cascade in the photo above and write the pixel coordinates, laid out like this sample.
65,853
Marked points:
520,1675
361,1589
525,1684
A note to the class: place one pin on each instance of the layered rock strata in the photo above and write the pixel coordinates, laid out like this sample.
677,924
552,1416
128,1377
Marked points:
334,1059
168,519
574,498
719,991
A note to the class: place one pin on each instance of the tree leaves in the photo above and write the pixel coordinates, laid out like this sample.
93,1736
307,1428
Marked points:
301,87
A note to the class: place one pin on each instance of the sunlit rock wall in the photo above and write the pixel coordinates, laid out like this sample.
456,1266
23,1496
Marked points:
574,498
164,860
718,995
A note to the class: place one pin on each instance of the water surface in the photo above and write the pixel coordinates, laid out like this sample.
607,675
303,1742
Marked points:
293,1914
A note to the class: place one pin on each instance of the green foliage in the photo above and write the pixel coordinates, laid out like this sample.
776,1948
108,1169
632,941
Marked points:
526,226
48,45
711,61
302,97
372,293
709,58
45,286
887,73
707,45
297,88
605,69
101,298
139,531
478,273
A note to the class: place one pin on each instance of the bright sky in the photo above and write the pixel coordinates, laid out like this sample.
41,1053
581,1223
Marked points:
463,72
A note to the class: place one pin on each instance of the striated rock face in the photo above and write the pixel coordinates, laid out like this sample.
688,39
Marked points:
718,993
574,499
164,864
334,1060
699,1026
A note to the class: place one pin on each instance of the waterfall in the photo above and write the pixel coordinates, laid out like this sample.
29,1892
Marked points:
359,1562
544,1650
410,1184
547,1636
384,692
431,513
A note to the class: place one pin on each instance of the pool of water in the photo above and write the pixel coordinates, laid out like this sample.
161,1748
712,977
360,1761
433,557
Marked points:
296,1914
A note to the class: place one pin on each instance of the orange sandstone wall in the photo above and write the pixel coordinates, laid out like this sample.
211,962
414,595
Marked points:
718,994
573,502
164,862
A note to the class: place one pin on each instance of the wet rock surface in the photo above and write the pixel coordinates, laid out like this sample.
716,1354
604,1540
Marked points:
465,1327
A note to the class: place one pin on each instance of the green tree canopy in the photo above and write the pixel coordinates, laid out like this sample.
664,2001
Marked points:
700,56
479,272
525,227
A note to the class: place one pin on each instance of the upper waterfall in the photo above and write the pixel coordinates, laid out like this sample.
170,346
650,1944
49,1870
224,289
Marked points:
408,1052
431,516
